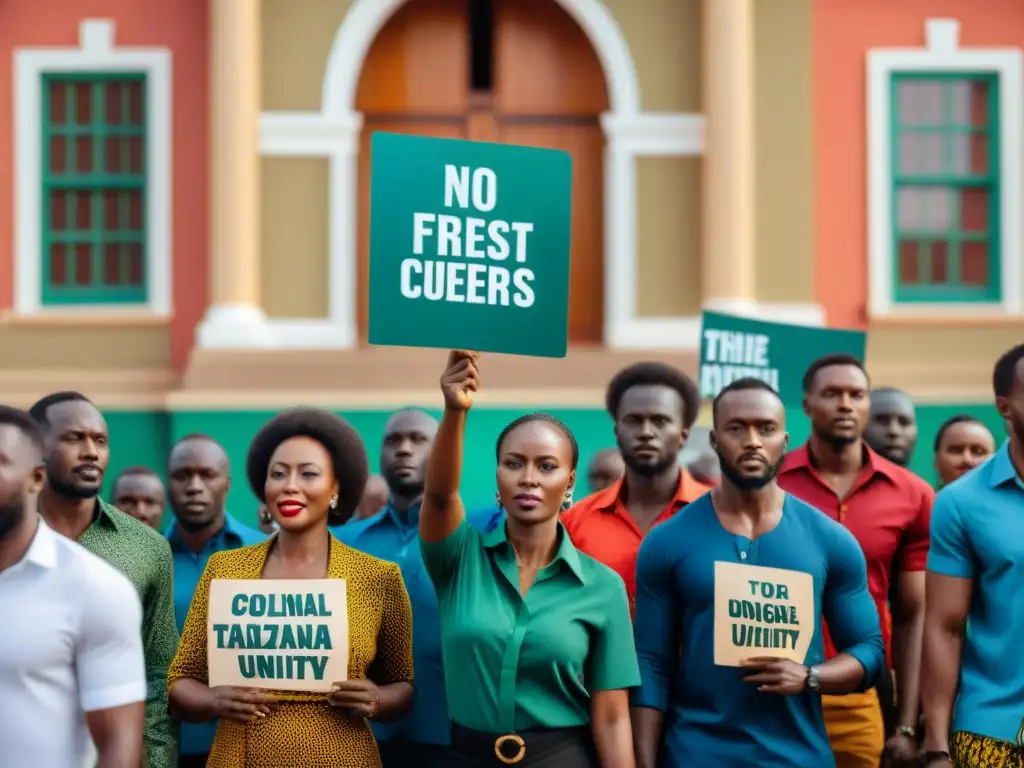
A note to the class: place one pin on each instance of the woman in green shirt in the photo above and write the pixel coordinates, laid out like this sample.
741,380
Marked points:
536,636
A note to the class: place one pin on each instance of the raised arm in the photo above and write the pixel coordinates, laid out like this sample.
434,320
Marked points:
852,620
950,582
442,511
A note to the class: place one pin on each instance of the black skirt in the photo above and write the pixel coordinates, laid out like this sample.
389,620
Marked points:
540,748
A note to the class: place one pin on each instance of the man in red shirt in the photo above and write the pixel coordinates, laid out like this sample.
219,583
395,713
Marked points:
653,406
888,510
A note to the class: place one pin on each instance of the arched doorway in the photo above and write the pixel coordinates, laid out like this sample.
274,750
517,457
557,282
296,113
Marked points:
514,71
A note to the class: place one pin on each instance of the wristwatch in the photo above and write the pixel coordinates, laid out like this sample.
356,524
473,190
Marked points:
907,730
812,682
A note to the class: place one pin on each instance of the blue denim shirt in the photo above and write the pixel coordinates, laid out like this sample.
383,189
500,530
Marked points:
197,738
390,537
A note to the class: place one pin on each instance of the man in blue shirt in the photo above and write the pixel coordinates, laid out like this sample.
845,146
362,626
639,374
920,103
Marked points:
422,737
730,595
198,479
974,685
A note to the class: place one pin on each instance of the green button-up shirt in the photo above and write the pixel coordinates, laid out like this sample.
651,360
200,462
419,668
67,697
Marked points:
144,556
515,662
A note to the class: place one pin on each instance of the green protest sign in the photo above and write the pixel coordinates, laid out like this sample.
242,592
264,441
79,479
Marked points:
469,245
289,635
738,347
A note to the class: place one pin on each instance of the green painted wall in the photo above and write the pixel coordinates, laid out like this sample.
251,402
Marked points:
145,438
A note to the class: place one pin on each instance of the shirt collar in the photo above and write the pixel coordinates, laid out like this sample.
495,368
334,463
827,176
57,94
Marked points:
566,552
1001,469
43,549
107,515
687,490
227,531
389,513
874,464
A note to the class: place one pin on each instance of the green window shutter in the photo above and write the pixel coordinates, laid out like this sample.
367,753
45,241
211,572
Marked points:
944,138
94,178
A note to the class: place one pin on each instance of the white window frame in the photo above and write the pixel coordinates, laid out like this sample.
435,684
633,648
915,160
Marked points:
942,53
96,52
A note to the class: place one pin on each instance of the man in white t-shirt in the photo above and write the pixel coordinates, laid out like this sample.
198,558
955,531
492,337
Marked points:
72,675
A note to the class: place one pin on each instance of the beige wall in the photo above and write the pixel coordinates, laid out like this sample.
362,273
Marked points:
668,236
784,151
293,254
31,344
297,38
664,39
939,361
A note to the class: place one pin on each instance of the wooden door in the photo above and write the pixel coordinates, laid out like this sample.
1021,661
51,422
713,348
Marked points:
414,80
549,91
543,87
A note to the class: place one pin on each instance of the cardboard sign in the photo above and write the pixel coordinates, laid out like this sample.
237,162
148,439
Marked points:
762,612
278,634
469,245
739,347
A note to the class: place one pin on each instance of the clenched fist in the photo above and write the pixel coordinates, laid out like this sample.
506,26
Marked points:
460,380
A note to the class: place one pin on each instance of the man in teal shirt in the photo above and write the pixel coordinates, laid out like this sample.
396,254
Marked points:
198,479
77,447
973,693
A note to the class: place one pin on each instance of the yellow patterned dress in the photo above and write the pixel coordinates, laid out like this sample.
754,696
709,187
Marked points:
304,731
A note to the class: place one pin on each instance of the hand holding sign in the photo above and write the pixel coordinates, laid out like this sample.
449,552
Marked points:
775,675
242,704
460,380
360,697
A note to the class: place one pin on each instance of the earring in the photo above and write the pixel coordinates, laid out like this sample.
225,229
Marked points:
497,500
334,502
567,501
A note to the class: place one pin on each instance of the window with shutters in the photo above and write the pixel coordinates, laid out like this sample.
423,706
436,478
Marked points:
945,187
94,189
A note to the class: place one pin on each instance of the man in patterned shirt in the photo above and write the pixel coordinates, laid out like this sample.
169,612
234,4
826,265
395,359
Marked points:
77,451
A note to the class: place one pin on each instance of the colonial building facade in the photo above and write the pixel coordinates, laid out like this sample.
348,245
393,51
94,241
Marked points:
185,184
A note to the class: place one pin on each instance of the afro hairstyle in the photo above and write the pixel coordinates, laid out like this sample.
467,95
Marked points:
342,442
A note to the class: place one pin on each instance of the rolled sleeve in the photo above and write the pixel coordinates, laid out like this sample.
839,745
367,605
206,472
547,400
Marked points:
849,609
613,664
656,625
914,543
441,558
950,552
393,663
109,659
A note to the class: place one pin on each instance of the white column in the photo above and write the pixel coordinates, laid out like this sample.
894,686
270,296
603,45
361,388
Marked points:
234,319
729,254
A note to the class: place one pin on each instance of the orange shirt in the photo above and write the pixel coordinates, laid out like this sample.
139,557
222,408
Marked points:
601,526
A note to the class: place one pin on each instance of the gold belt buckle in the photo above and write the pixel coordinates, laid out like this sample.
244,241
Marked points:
515,739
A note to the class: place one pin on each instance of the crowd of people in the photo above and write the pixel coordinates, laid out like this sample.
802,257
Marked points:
546,630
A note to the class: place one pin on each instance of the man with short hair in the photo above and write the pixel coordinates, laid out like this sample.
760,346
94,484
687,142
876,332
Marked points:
423,736
605,469
653,407
974,682
139,492
888,510
72,675
767,567
892,425
76,453
198,479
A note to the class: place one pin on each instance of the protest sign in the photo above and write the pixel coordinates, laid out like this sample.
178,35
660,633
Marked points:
762,612
469,245
281,634
738,347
